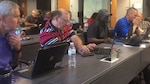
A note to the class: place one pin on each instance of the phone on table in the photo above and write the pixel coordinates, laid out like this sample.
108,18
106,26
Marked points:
88,54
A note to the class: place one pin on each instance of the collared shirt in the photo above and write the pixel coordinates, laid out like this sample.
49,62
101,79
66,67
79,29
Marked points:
122,27
6,52
50,34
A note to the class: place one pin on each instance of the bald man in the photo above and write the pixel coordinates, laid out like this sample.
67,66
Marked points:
57,30
124,24
31,20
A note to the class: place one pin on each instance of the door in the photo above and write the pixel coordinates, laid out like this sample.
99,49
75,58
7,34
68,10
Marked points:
113,12
23,6
63,4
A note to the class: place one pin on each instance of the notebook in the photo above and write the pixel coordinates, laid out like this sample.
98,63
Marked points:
45,61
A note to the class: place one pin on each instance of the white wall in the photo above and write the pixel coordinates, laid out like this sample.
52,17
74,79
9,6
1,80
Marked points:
122,6
91,6
31,4
53,5
138,4
74,9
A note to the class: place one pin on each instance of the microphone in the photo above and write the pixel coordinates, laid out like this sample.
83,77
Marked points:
111,48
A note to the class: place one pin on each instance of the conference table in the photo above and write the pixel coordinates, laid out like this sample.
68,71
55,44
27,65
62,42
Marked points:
90,70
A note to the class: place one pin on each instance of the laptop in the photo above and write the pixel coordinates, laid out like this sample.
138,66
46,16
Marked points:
146,35
46,60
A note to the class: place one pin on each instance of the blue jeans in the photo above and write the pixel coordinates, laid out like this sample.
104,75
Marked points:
6,80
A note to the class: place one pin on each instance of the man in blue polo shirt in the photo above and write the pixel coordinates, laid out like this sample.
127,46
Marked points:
10,51
127,22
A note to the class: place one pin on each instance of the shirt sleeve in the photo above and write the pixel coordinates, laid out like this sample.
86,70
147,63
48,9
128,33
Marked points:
121,28
27,19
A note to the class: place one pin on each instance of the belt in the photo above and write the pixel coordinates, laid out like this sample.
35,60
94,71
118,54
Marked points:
4,73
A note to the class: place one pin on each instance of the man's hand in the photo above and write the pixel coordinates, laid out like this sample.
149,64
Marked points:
91,46
108,40
85,49
14,41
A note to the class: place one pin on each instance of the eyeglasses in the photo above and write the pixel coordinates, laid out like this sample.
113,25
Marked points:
64,19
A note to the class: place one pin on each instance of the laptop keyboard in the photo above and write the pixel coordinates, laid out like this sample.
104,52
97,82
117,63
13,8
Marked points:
102,51
122,40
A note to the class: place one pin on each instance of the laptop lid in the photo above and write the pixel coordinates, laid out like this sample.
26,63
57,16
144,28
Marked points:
48,56
147,33
45,61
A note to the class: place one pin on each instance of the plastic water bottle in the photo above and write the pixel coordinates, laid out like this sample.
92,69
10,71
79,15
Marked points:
18,32
72,55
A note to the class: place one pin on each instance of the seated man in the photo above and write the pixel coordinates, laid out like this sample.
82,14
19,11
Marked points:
98,31
10,51
56,30
34,21
124,24
143,24
31,20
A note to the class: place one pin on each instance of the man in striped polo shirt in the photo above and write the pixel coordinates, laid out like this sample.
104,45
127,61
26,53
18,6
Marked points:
57,29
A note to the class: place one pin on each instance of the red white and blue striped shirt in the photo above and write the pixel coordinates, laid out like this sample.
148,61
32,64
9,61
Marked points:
50,34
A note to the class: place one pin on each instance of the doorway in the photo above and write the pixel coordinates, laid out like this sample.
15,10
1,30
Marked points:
113,7
23,6
63,4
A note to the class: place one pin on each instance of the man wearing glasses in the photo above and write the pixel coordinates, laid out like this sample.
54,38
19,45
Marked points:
57,29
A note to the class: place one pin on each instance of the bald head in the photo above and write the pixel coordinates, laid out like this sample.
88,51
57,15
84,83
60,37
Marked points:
131,10
35,13
60,18
65,13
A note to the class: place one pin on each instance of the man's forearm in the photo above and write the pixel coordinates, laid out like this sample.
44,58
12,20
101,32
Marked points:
95,40
16,57
77,41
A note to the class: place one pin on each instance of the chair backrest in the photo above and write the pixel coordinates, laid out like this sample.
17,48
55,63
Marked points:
29,52
85,37
76,26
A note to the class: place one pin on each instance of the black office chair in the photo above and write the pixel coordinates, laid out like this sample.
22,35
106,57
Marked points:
28,55
85,38
76,26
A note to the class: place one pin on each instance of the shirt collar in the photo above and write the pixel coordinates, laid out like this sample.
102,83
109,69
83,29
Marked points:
55,28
